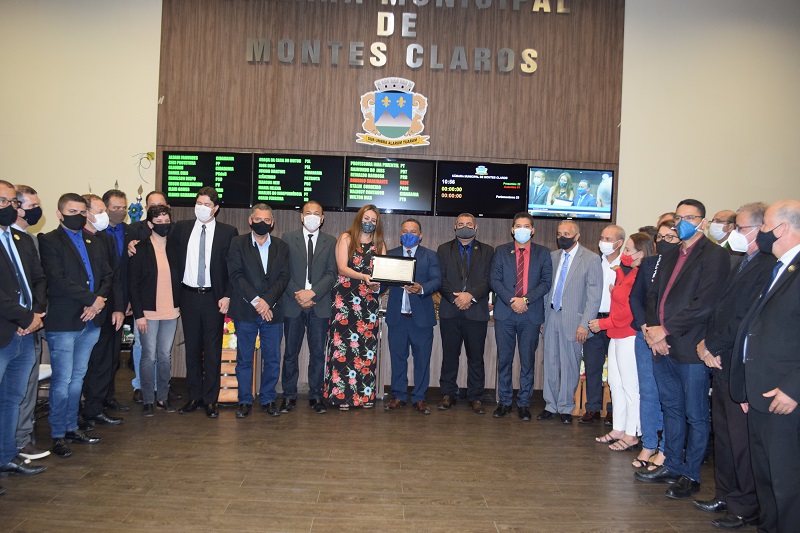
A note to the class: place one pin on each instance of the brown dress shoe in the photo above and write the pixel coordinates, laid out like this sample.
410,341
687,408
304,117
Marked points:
422,407
447,402
477,407
394,404
589,417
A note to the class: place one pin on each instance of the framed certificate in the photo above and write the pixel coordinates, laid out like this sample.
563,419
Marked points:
391,270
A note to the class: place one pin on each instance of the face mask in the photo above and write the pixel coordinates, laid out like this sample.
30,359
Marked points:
74,222
738,241
368,227
312,222
663,247
202,213
409,240
32,216
565,243
8,215
606,248
100,221
465,232
162,229
581,191
117,217
562,184
626,260
522,235
686,230
716,231
765,239
261,228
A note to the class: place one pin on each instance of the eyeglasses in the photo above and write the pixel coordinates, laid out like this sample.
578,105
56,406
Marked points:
687,218
669,238
5,201
721,221
740,228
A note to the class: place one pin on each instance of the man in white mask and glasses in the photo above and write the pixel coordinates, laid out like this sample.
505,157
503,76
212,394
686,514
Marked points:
721,227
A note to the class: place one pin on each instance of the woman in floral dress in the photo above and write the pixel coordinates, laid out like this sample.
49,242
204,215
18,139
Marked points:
352,342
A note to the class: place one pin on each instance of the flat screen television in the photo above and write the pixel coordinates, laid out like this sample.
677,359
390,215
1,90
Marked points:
490,190
393,185
288,181
185,173
576,193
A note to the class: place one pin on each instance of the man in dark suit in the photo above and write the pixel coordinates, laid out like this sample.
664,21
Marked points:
410,317
199,250
307,304
464,311
686,288
735,488
79,281
259,272
22,305
765,373
539,190
521,277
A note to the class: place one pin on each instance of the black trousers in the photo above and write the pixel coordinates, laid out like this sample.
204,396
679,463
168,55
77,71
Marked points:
595,350
98,385
202,331
472,334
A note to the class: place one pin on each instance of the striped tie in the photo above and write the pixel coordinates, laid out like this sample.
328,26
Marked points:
519,292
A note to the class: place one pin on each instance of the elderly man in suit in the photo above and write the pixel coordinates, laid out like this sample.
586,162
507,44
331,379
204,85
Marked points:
573,301
679,303
765,373
199,250
735,488
410,317
538,190
521,277
307,304
464,311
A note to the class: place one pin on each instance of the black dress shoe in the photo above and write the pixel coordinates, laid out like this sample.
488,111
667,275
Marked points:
565,419
61,448
545,415
524,413
319,407
657,475
287,405
211,410
711,506
683,488
85,425
732,521
165,406
102,418
172,395
147,410
501,411
243,410
81,438
2,490
137,396
114,405
271,409
18,465
190,406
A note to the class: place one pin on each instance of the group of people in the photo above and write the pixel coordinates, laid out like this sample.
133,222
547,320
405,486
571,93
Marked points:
564,192
663,305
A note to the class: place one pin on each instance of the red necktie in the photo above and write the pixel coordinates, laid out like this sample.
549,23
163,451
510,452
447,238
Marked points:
519,292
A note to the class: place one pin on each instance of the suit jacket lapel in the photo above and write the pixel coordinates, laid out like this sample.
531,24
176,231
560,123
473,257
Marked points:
786,275
67,242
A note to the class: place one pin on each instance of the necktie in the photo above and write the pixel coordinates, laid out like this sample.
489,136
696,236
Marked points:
201,263
775,271
310,256
560,283
406,307
24,297
518,289
743,263
464,267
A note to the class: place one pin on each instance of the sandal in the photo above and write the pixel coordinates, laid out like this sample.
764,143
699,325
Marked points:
606,439
344,407
653,465
622,446
641,463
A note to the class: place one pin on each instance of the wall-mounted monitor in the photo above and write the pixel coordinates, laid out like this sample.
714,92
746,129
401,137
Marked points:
185,173
491,190
289,181
577,193
393,185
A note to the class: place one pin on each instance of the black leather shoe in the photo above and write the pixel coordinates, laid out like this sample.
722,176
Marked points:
271,409
17,465
165,406
174,395
565,419
243,410
114,405
102,418
657,475
190,406
147,410
683,488
287,405
81,438
137,396
711,506
2,490
85,425
501,411
732,521
211,410
545,415
524,413
319,407
61,448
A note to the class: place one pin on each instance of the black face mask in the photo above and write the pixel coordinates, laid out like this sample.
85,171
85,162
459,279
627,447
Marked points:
32,216
565,243
8,215
261,228
663,247
765,240
74,222
162,229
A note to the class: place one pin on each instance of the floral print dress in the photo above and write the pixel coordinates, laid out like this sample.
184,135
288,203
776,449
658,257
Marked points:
352,342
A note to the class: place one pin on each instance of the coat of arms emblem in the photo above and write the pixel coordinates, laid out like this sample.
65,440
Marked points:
393,115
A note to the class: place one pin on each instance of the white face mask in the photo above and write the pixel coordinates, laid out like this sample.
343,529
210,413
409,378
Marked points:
716,231
606,248
202,213
738,241
312,222
100,221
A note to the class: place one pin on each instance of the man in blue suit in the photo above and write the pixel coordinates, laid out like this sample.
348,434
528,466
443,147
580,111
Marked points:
582,196
521,276
410,317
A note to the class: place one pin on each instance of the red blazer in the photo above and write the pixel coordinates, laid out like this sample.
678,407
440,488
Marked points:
618,323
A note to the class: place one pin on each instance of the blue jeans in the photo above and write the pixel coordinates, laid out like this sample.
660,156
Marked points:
294,328
16,361
649,404
156,352
136,352
270,334
69,358
683,389
506,333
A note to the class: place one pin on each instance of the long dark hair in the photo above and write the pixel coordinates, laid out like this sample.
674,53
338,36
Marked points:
355,231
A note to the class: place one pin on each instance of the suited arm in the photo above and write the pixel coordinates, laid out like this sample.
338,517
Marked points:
434,276
480,288
117,289
326,282
106,280
134,277
790,385
594,291
228,289
447,288
638,299
57,281
541,289
238,275
713,276
36,278
503,293
276,289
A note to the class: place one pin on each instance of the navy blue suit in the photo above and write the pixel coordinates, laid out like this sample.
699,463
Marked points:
415,331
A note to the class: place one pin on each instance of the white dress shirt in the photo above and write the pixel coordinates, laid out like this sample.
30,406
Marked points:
193,253
314,239
609,277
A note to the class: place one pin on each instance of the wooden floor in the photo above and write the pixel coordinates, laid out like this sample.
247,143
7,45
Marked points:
355,471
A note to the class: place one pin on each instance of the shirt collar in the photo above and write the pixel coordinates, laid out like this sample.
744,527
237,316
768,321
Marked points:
789,256
413,251
209,225
306,233
255,243
691,248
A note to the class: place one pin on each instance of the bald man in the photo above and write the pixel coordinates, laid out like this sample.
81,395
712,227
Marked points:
721,227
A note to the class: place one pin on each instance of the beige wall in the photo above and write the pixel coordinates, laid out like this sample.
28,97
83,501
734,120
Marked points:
709,105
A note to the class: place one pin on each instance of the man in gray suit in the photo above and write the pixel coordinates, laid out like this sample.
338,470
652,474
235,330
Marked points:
538,190
573,301
307,305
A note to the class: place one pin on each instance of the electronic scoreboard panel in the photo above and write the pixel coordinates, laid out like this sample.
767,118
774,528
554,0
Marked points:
185,173
393,185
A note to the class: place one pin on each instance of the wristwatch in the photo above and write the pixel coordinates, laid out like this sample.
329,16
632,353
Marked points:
526,300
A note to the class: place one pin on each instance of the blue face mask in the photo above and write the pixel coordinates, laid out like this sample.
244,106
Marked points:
409,240
522,235
685,229
581,191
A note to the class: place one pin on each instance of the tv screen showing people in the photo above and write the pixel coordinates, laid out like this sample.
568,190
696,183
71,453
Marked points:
579,193
491,190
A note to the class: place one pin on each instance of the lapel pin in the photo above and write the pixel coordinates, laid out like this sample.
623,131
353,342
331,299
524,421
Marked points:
512,250
16,237
791,268
88,241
